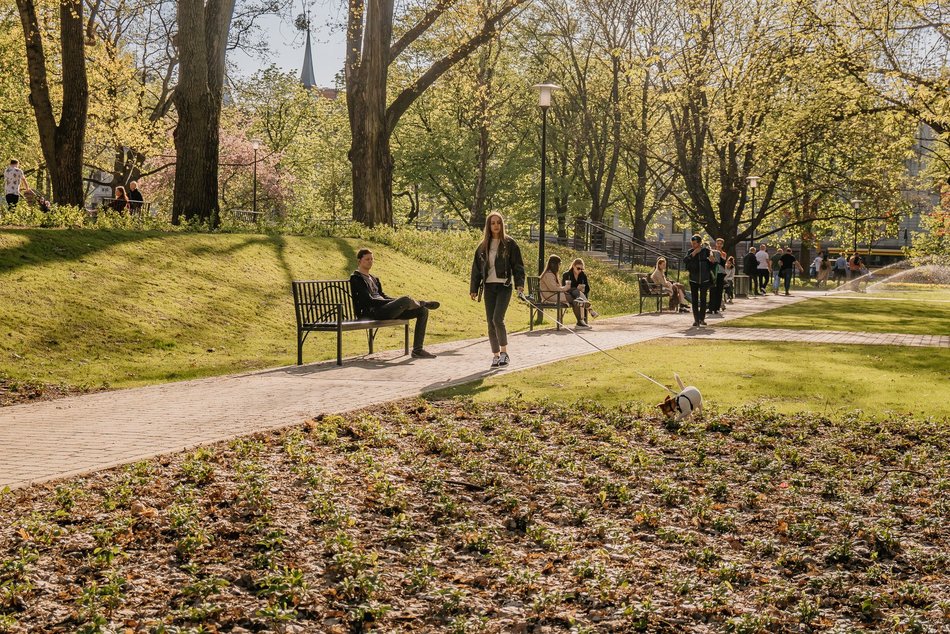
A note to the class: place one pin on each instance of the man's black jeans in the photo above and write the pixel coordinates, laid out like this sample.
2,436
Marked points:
406,307
700,293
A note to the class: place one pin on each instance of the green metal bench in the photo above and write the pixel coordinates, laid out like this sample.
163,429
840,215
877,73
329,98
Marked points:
327,306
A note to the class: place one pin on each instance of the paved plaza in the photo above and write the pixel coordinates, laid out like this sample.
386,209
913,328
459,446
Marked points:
70,436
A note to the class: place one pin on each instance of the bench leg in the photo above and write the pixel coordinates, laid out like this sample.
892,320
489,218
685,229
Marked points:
299,349
560,317
530,318
405,341
339,346
370,336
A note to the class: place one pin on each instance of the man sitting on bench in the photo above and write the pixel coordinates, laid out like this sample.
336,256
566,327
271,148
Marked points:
371,302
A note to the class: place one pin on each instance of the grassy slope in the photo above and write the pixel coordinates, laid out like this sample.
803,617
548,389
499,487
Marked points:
123,308
863,315
830,380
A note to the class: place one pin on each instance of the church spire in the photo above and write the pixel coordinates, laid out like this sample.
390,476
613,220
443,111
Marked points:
307,78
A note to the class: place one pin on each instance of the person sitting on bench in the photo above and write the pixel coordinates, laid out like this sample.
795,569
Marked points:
371,302
678,294
553,292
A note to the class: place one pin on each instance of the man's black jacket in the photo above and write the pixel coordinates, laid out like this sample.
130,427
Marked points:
362,302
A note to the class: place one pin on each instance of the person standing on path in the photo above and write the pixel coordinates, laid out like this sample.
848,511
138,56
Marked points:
787,265
369,300
841,268
763,268
824,269
776,261
729,283
497,260
13,182
749,266
698,261
719,277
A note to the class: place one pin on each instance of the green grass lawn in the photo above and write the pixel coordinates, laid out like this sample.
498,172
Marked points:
111,308
914,292
855,314
792,378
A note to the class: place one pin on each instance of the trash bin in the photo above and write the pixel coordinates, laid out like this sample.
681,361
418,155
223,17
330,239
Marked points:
741,285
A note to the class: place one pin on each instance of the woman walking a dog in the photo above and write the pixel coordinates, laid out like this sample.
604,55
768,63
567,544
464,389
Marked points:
497,261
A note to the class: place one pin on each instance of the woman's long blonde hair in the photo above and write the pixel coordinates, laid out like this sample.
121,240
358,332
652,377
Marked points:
486,241
656,267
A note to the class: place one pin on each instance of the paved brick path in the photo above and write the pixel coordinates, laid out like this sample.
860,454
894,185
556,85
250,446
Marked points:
70,436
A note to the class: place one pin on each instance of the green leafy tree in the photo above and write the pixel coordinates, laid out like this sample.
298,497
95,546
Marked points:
372,45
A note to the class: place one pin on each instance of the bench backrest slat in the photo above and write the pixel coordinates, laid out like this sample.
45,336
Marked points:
534,287
315,301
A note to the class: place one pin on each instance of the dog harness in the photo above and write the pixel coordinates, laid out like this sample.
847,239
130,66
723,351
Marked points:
678,397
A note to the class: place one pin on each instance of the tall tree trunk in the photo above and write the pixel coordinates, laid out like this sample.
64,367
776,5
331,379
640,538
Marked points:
202,36
369,51
370,155
62,143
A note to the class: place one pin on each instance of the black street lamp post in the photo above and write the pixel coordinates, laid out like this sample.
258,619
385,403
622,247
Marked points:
753,182
856,204
544,101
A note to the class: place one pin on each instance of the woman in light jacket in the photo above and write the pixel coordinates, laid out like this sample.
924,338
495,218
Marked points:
553,292
497,261
675,290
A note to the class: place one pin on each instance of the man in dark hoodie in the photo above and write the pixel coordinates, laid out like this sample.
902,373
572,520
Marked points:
370,301
697,261
749,265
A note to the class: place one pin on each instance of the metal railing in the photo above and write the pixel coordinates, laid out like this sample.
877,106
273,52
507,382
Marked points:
624,249
133,208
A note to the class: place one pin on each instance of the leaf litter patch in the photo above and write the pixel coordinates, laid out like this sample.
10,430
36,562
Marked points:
460,517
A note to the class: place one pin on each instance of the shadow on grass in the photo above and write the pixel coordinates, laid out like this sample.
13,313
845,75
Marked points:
63,245
468,386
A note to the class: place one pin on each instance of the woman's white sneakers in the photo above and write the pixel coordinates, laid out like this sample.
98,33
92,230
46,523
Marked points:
504,359
495,361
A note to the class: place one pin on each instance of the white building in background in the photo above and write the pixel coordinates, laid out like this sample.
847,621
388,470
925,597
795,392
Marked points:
98,193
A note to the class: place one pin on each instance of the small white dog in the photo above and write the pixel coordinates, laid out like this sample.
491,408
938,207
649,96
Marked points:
682,405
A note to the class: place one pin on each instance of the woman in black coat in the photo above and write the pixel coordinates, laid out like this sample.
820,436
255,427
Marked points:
698,261
497,260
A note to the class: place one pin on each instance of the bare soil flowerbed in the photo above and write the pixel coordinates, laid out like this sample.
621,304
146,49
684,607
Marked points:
456,517
18,392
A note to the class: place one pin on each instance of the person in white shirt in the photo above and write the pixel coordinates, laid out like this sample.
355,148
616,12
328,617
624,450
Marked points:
763,269
13,182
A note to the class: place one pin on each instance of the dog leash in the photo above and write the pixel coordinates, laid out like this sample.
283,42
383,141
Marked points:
525,299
